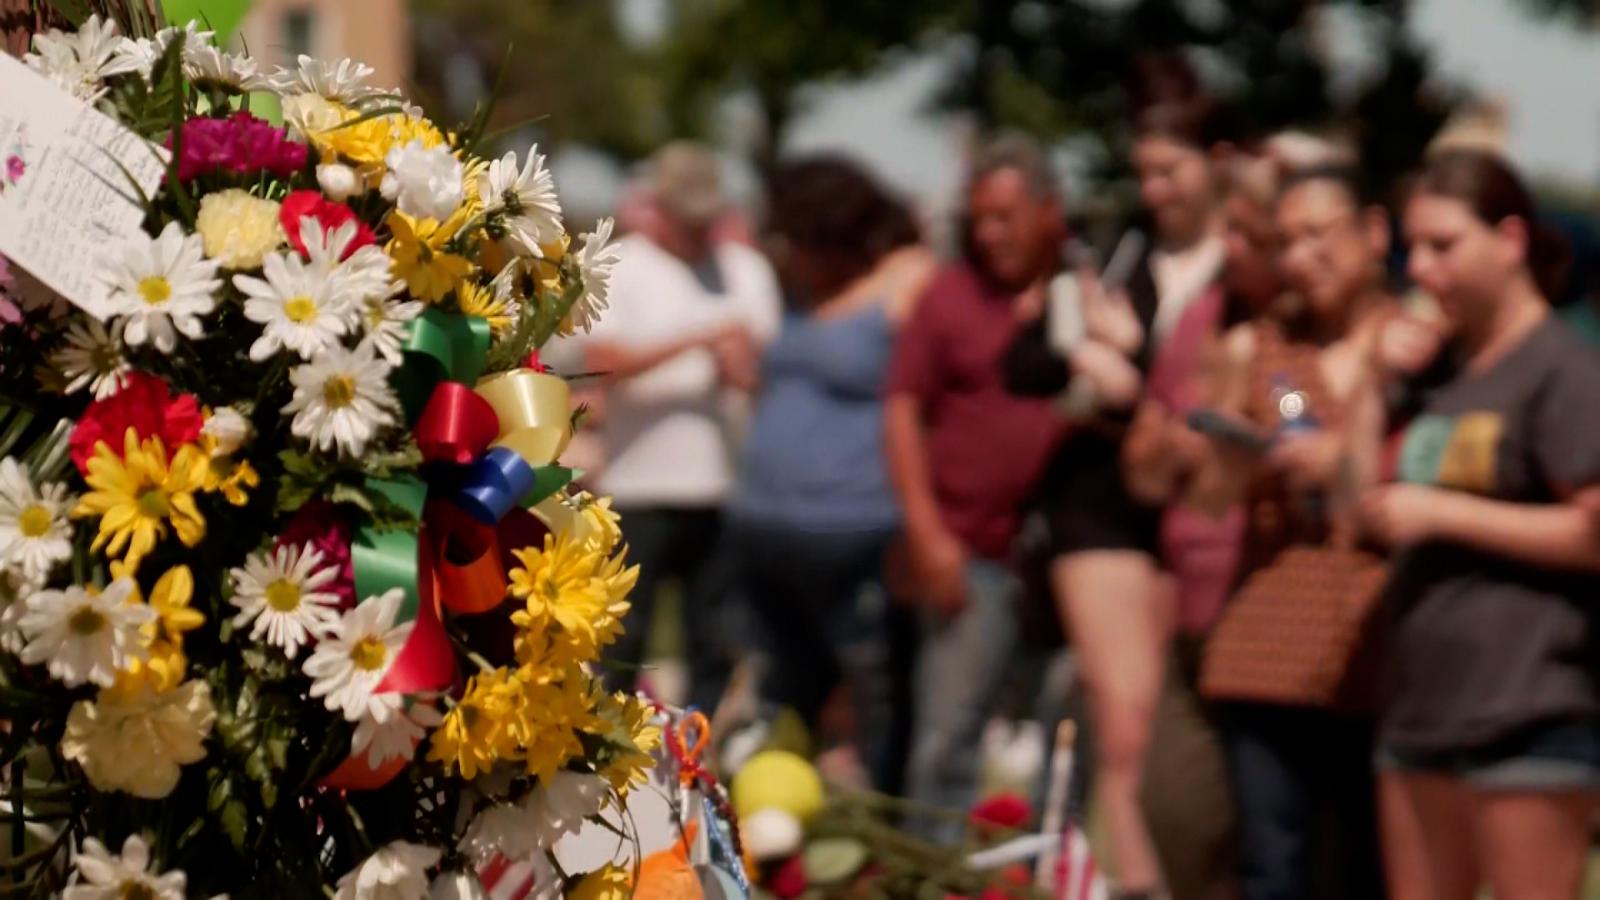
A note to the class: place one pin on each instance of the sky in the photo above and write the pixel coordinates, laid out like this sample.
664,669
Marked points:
1547,74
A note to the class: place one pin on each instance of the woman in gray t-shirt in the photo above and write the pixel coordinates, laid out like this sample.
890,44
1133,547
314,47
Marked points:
1490,729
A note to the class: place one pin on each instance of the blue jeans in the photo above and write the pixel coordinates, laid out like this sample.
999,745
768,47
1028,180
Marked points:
1303,782
823,619
961,674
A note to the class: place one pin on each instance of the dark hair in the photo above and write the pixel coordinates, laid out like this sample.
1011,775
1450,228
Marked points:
1166,99
1489,187
827,204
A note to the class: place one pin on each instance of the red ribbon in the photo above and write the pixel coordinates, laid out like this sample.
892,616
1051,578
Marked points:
456,426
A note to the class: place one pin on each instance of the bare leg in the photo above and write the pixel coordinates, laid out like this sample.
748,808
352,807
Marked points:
1534,846
1427,837
1119,629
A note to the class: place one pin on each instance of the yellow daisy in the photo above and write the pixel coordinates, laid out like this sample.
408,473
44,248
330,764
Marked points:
476,300
560,711
632,738
417,255
139,495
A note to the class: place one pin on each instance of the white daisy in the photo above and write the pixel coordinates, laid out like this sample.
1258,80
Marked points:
230,427
107,876
343,81
397,871
80,61
140,54
204,64
457,885
595,262
348,664
92,358
390,729
388,324
282,594
424,182
35,535
525,199
301,306
85,637
341,399
161,286
362,275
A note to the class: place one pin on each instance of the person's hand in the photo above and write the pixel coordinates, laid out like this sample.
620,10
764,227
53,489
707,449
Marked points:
1307,460
737,357
939,566
1109,317
1029,305
1407,344
1116,381
1398,515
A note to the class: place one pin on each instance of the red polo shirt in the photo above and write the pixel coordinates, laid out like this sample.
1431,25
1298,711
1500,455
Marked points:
986,447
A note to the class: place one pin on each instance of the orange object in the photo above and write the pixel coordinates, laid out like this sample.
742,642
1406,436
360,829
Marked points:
695,726
667,875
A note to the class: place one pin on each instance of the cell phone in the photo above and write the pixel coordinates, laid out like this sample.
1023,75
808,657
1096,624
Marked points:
1123,259
1227,429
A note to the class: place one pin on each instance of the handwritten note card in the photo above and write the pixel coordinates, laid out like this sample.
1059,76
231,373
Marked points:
64,201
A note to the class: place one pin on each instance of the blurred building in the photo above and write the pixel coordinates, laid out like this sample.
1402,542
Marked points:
376,32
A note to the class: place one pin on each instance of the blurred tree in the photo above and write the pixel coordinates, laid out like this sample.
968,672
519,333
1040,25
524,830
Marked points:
1585,13
774,48
570,75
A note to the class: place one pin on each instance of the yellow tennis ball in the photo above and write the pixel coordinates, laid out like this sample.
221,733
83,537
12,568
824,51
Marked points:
777,779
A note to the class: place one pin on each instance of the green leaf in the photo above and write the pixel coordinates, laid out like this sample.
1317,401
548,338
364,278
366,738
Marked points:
355,496
234,818
474,133
294,494
75,11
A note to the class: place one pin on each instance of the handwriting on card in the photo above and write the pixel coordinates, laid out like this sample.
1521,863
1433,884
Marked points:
73,198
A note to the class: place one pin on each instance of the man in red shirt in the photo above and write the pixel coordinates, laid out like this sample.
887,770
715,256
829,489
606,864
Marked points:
965,456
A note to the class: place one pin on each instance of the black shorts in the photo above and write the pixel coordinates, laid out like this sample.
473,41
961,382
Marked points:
1085,501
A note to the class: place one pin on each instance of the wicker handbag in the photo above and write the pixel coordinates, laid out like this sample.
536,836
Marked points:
1297,632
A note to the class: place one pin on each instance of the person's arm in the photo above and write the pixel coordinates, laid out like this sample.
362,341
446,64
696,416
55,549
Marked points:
1151,470
1550,535
937,557
616,361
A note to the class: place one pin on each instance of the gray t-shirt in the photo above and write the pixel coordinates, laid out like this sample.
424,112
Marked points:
1479,646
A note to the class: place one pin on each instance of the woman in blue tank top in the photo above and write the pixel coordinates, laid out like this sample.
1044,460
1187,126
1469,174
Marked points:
813,512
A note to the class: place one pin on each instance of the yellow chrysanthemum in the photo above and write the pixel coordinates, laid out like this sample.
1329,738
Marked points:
139,495
560,712
476,300
482,729
417,255
561,585
632,737
609,882
238,229
161,671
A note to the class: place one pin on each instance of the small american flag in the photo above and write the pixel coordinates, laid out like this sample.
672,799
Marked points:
1067,871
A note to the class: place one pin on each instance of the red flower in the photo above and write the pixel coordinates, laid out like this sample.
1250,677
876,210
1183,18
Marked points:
300,204
145,404
789,881
1001,811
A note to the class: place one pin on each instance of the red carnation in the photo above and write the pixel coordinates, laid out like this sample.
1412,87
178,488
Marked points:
329,214
1001,811
145,404
789,881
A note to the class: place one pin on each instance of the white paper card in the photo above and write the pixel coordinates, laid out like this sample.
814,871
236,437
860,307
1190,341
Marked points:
66,206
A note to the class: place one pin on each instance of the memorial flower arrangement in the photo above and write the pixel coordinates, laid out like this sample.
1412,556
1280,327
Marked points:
296,599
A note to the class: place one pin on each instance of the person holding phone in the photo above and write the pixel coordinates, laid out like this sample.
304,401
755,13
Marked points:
1489,732
1299,748
1102,539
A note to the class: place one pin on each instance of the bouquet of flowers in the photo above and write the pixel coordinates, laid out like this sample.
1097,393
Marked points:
295,597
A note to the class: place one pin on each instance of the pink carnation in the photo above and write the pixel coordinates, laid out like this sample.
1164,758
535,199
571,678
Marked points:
241,144
319,524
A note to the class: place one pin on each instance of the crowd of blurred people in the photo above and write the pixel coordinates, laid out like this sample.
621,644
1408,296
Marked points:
1302,468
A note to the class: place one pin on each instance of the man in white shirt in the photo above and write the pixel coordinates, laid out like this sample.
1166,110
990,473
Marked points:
679,349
